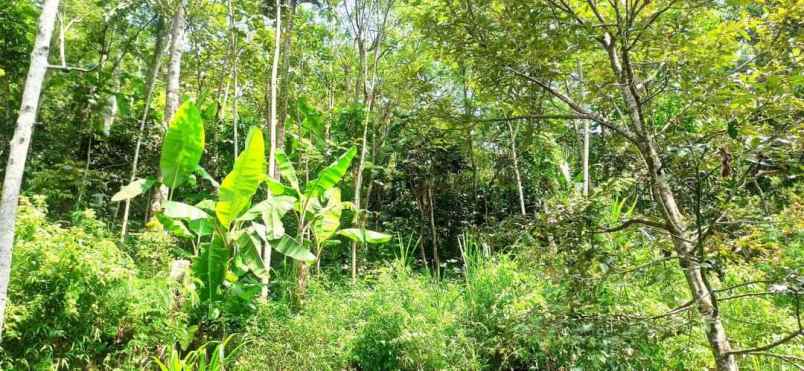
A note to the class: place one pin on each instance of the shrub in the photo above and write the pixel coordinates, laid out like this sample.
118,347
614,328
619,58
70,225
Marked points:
75,299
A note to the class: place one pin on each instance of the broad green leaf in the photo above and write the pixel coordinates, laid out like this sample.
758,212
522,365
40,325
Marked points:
282,203
206,205
364,235
286,169
183,145
329,219
200,171
210,268
331,175
134,189
289,247
278,189
258,230
273,224
174,226
201,227
248,255
240,185
178,210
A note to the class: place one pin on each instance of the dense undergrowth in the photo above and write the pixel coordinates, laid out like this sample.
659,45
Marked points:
80,300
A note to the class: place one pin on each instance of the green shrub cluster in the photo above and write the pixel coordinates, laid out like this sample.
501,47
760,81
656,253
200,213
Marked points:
496,318
76,300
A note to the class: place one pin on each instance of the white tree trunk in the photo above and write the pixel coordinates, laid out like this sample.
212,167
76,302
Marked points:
586,180
266,249
274,83
18,152
516,170
585,154
173,89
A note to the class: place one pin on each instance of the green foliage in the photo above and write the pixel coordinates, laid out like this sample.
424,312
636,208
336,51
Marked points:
201,359
77,300
364,236
210,267
291,248
183,145
134,189
331,175
239,186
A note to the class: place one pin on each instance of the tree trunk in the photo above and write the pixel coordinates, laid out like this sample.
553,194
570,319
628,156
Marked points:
154,71
284,71
173,89
703,295
18,152
585,154
272,170
436,259
516,170
695,275
233,60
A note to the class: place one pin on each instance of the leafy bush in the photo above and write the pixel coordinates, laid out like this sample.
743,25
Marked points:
75,299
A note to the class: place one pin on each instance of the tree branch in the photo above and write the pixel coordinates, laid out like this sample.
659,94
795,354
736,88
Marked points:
71,68
631,222
767,346
584,114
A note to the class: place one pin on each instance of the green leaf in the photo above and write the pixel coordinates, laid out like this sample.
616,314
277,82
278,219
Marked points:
183,145
282,203
200,171
329,219
206,205
290,248
273,224
240,185
278,189
286,169
248,255
178,210
174,226
364,235
201,227
210,267
134,189
331,175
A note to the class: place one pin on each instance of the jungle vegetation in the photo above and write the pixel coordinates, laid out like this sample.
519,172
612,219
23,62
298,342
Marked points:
402,184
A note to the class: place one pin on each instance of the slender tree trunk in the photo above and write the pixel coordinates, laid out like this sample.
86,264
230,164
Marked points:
18,152
284,73
695,275
586,179
436,259
233,60
585,154
516,169
154,71
272,170
173,89
704,295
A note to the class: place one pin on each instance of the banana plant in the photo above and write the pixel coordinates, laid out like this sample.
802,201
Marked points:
227,267
181,151
317,209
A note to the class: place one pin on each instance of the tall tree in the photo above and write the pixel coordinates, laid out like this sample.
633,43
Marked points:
368,20
20,142
173,87
150,85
